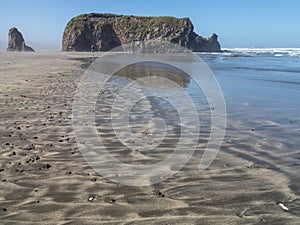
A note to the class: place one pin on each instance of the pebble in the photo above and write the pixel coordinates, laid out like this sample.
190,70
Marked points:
30,147
283,207
13,153
47,166
160,194
112,201
92,198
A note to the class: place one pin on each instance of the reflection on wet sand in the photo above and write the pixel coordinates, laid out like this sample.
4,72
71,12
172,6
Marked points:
155,71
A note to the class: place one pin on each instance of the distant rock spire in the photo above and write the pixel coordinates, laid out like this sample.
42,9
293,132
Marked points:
16,41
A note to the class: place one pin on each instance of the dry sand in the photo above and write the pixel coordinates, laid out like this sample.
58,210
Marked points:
45,180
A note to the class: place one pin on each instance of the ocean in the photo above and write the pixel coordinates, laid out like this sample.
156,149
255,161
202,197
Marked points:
261,88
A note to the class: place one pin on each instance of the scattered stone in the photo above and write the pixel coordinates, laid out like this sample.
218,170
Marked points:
92,198
112,201
30,147
283,207
11,154
160,194
47,166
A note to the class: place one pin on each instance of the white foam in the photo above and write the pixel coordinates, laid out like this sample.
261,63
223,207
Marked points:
279,52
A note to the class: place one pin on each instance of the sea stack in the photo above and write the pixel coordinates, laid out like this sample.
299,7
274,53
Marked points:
107,31
16,41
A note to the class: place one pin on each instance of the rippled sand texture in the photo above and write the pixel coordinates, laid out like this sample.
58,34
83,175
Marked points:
45,180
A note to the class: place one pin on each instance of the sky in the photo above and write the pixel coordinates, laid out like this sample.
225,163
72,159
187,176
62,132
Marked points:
238,23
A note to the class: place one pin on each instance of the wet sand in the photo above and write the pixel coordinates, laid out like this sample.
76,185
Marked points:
45,180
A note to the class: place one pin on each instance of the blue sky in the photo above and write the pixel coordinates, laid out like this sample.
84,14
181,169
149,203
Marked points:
248,23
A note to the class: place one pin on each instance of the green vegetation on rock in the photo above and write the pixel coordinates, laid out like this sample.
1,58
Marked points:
106,31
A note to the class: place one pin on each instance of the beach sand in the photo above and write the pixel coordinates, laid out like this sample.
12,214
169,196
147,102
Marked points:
45,180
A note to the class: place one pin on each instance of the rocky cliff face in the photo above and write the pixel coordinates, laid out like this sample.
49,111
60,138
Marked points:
16,41
107,31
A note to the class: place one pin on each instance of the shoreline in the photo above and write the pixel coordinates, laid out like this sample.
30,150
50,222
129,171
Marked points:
44,179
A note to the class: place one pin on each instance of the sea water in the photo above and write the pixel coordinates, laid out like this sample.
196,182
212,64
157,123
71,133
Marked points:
261,89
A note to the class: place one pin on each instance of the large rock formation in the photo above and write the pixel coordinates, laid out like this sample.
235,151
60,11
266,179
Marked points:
107,31
16,41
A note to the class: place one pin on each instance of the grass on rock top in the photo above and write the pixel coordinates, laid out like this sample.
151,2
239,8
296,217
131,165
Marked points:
148,21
